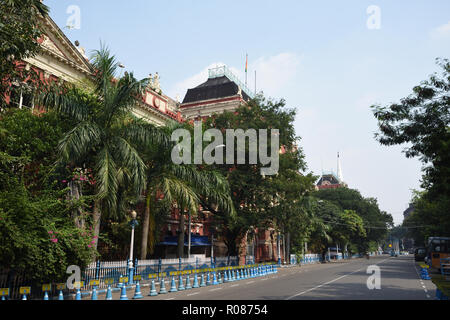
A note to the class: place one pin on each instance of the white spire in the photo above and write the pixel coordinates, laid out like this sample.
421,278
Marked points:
339,170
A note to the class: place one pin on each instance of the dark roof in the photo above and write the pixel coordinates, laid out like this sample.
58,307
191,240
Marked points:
214,88
328,177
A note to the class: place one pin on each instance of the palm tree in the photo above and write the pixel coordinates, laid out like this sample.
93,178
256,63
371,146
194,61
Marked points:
105,134
186,186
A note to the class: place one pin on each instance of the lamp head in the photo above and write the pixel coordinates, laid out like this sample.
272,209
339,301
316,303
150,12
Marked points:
133,214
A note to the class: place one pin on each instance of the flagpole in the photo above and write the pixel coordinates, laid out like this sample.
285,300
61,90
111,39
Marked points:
246,66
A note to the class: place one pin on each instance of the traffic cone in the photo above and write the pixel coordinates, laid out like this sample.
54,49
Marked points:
238,277
195,285
78,295
153,289
203,284
162,287
225,277
137,292
24,297
219,278
173,286
61,296
45,296
215,279
180,284
208,279
123,293
188,283
109,293
94,294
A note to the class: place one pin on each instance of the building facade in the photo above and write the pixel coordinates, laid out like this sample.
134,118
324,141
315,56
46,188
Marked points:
222,91
61,60
331,180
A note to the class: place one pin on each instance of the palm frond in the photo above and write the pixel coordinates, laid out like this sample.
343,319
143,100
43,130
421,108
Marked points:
178,191
106,66
130,158
69,101
122,97
145,134
108,185
78,141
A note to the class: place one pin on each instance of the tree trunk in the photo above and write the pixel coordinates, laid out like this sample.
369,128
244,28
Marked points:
180,249
97,219
145,228
288,247
75,193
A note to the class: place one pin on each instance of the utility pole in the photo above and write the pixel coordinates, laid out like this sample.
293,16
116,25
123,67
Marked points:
189,234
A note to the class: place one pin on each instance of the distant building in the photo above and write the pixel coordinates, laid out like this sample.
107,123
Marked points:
223,91
408,211
331,180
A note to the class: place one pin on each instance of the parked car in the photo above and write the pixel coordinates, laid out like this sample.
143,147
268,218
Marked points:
420,254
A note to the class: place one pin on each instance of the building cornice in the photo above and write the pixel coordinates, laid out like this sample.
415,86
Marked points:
211,101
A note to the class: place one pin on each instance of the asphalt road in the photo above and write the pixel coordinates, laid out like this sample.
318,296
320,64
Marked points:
347,280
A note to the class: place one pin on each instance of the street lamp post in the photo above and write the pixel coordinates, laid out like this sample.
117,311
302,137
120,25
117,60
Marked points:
212,248
133,224
189,235
279,253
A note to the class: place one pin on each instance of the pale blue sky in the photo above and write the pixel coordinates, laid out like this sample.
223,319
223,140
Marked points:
319,56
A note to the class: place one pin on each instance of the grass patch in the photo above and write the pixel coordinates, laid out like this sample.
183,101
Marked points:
442,283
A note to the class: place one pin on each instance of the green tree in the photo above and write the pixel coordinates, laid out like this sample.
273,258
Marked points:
20,27
106,135
422,121
37,234
376,222
187,186
258,199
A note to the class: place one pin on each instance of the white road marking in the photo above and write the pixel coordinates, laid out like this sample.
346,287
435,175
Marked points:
250,282
334,280
215,289
420,280
169,299
234,285
193,294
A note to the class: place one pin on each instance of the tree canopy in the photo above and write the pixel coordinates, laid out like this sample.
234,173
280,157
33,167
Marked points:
20,28
421,121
